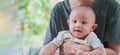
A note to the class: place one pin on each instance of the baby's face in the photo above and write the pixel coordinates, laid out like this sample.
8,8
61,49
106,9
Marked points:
80,24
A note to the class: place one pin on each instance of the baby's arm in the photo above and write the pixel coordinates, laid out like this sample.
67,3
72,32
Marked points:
49,49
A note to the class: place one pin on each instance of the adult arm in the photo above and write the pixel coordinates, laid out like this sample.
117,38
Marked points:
96,51
114,49
49,49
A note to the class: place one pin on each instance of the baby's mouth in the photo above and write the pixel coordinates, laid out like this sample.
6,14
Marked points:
78,30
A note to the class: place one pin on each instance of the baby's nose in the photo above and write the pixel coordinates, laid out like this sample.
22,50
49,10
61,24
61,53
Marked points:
78,24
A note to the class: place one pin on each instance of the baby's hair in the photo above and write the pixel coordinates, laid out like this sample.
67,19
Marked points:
87,8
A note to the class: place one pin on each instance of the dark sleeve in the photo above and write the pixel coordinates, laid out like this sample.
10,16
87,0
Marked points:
112,30
53,26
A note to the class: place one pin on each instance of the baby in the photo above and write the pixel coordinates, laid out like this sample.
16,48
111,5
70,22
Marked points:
81,26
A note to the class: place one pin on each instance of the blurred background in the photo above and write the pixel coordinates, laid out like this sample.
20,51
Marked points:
23,25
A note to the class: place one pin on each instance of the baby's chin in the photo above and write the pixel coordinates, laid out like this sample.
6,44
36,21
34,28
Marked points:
78,36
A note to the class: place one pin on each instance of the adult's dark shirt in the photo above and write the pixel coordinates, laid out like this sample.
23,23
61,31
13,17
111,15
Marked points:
107,18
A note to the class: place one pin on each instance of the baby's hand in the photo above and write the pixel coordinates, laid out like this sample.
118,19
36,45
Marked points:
78,52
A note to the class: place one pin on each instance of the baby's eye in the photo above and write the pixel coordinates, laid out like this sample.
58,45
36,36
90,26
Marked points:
84,22
74,21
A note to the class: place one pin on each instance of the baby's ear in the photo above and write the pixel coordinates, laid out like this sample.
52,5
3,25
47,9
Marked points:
68,21
94,27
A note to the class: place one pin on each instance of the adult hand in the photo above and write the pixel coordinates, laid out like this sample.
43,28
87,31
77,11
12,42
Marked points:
68,47
78,52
